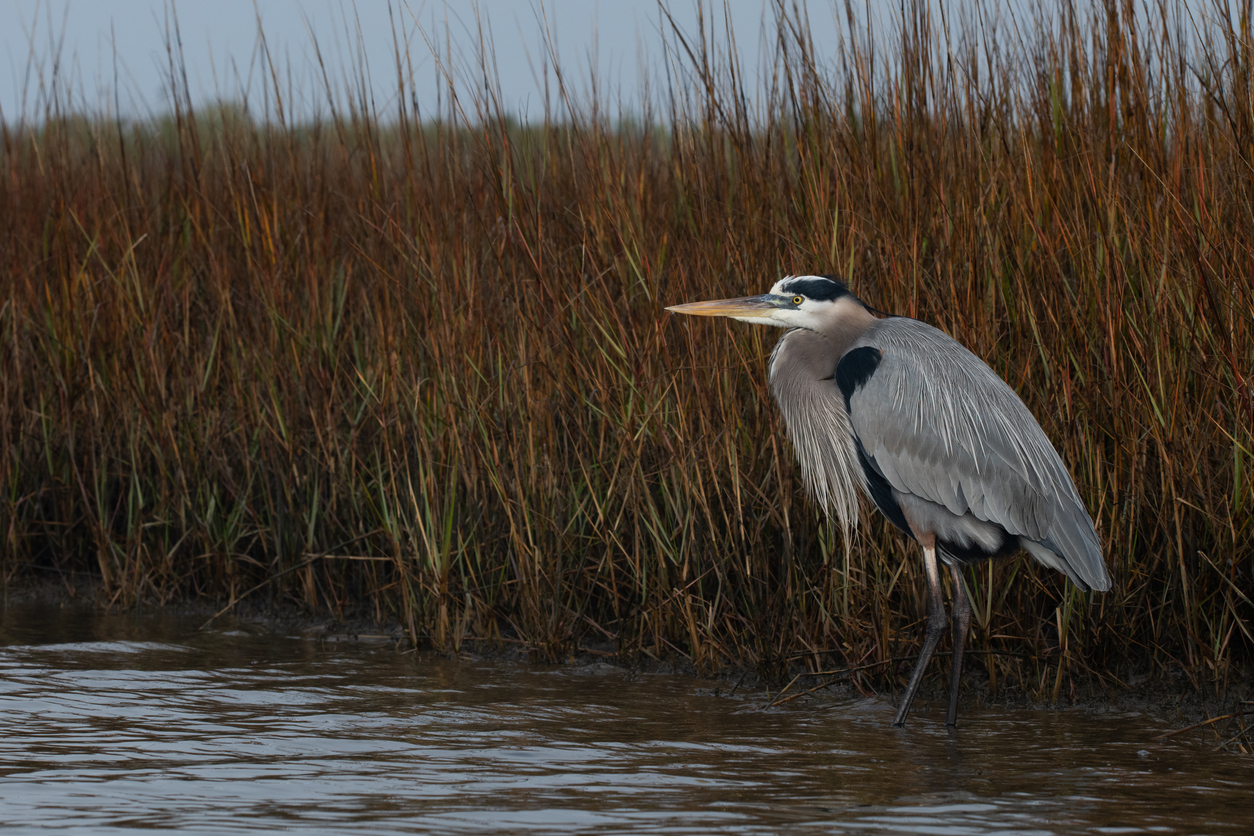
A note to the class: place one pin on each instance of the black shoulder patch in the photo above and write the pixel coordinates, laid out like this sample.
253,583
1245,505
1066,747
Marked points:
855,369
819,288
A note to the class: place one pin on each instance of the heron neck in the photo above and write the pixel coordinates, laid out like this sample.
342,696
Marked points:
848,320
806,355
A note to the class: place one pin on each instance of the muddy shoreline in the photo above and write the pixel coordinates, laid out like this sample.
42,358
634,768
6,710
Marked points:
1171,697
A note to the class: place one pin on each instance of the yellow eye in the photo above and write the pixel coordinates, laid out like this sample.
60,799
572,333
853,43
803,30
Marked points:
797,300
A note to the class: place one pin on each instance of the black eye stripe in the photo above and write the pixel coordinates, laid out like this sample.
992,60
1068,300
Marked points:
815,287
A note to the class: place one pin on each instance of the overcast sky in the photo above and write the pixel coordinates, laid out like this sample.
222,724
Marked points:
98,41
111,54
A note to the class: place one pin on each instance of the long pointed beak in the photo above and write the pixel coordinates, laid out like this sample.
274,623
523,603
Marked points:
744,306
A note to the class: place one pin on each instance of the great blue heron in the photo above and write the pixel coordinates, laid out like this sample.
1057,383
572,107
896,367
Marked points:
929,433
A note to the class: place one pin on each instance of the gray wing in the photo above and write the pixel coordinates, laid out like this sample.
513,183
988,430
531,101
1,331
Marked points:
941,425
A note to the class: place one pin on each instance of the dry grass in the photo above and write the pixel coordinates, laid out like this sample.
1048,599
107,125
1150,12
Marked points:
424,369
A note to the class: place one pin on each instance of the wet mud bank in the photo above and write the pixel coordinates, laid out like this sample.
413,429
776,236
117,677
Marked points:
78,610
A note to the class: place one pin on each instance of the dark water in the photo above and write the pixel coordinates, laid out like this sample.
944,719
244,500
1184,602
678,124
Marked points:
118,723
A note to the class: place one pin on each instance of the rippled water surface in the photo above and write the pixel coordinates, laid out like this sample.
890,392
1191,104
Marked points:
121,722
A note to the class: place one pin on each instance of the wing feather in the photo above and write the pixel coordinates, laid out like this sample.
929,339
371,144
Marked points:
941,425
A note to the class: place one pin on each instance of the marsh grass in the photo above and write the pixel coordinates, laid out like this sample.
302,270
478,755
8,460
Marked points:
421,370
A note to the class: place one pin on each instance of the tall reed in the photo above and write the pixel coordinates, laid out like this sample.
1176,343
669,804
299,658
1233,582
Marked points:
421,370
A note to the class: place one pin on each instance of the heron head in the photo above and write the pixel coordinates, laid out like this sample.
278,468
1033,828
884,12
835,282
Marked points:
794,302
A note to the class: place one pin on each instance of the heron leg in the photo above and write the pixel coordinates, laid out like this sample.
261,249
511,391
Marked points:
936,621
962,621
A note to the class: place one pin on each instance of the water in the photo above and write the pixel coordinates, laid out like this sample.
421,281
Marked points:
115,723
